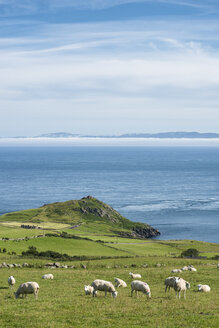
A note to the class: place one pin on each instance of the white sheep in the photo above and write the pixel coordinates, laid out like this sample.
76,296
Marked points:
120,282
11,281
135,275
192,269
176,271
180,285
204,288
169,282
88,290
104,286
185,268
140,286
28,288
48,276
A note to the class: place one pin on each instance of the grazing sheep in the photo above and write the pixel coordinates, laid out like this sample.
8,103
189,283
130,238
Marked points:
11,281
204,288
185,268
192,269
176,271
169,282
104,286
180,285
135,275
119,283
27,288
140,286
88,290
48,276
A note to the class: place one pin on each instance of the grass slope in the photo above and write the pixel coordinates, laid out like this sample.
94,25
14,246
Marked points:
87,214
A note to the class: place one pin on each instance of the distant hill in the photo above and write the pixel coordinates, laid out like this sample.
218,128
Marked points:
89,213
172,135
57,135
160,135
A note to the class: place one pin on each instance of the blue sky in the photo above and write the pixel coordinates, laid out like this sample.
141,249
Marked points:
108,66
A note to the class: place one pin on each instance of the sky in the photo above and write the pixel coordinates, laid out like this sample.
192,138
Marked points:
104,67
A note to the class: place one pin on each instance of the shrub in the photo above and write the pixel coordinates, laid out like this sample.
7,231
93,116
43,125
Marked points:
190,252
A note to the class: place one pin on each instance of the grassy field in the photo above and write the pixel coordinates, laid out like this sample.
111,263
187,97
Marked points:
62,301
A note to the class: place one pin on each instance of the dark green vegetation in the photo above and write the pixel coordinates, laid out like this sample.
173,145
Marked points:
190,252
96,239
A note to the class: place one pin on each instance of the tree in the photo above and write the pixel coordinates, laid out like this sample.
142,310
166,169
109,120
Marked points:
190,252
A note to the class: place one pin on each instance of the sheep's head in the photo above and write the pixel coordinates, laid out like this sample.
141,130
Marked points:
16,295
114,294
187,285
86,289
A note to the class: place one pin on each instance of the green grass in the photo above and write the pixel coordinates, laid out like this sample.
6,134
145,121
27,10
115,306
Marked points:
71,247
62,302
16,232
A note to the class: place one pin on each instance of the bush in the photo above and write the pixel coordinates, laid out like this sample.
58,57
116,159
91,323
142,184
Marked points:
190,252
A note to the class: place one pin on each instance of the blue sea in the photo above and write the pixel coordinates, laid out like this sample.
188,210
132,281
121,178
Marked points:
176,190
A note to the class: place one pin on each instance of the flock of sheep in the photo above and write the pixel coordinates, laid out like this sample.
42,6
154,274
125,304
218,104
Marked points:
177,283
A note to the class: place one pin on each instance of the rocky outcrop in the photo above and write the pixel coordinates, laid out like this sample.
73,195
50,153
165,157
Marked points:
140,233
145,232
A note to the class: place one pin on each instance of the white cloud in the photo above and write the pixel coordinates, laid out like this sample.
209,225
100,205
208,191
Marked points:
131,75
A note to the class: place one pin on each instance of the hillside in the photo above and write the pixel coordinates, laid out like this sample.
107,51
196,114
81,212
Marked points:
87,212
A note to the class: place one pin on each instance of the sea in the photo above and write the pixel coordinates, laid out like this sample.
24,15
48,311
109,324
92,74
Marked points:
174,189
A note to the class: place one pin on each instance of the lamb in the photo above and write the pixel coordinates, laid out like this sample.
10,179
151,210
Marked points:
11,281
140,286
27,288
119,283
135,275
88,289
180,285
104,286
192,269
169,282
48,276
204,288
176,271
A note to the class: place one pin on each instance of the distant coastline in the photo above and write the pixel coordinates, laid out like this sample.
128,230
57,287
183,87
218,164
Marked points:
160,135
